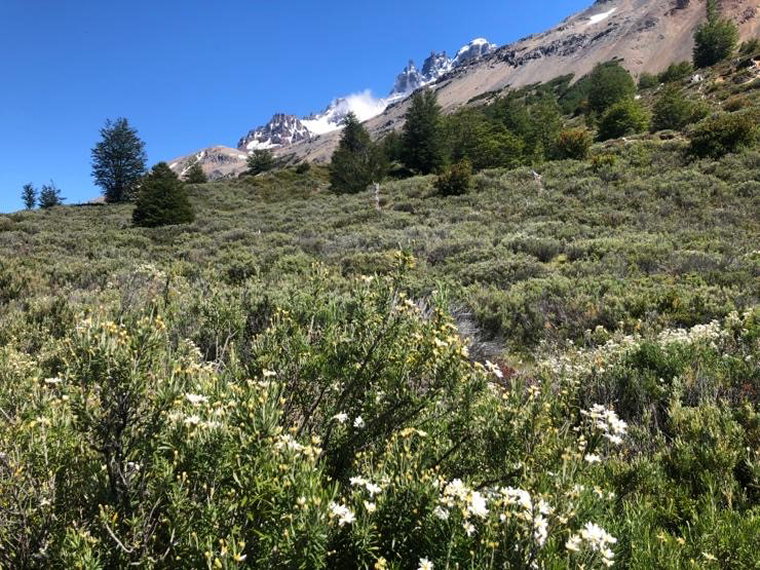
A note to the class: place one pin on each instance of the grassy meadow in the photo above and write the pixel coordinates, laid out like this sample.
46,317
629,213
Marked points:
557,369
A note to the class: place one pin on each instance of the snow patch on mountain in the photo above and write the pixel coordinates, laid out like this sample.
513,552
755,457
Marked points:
364,105
600,17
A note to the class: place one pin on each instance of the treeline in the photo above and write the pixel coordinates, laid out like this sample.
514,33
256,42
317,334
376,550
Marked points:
551,121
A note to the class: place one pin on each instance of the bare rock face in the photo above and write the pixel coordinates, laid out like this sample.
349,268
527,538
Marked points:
282,130
409,80
217,162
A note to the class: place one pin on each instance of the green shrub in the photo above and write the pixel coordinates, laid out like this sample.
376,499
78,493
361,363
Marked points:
724,133
676,72
736,103
603,160
455,180
573,143
648,81
623,118
672,110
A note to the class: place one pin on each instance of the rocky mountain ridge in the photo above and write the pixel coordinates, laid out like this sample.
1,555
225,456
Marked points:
646,35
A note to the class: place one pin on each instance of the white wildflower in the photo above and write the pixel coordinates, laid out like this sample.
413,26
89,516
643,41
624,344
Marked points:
342,513
341,418
425,564
573,543
359,422
540,530
477,506
441,513
196,399
592,458
494,369
192,420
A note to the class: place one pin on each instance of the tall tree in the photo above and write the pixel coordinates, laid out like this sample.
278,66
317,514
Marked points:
50,195
261,160
162,199
357,162
118,160
423,144
716,39
29,196
609,83
195,174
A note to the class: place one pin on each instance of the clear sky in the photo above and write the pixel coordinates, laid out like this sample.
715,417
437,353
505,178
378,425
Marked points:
198,73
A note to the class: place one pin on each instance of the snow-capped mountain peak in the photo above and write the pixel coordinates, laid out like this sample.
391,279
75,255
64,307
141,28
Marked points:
284,130
476,49
280,131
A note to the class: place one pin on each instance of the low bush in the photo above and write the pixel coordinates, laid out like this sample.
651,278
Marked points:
724,133
455,180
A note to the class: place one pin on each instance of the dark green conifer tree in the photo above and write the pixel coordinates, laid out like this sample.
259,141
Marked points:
716,39
423,144
50,195
357,162
195,174
118,160
29,196
261,160
162,199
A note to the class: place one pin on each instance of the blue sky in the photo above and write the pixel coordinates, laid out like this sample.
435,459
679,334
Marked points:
197,73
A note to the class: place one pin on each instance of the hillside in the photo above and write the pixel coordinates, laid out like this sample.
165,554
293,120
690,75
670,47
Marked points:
646,35
548,374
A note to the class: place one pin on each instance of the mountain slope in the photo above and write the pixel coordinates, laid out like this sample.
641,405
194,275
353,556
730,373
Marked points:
647,35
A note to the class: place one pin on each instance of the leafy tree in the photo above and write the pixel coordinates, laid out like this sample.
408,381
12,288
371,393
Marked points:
118,160
723,133
162,199
455,180
545,125
29,196
609,83
50,195
423,145
482,142
623,118
573,143
672,110
261,160
195,174
716,39
357,162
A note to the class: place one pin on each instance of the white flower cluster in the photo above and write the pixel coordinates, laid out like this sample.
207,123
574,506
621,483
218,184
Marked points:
286,442
342,418
532,512
474,505
371,487
608,422
342,513
596,539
